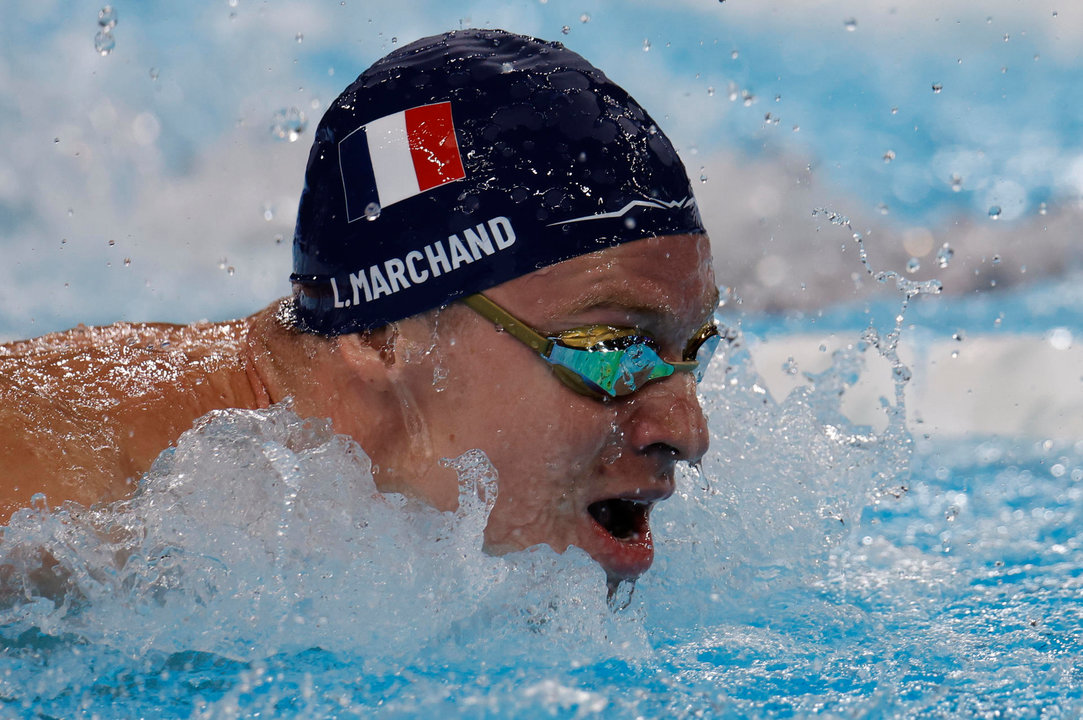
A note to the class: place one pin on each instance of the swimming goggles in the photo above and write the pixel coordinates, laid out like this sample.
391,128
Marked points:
601,360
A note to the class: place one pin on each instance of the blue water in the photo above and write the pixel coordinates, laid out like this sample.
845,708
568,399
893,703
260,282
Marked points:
813,567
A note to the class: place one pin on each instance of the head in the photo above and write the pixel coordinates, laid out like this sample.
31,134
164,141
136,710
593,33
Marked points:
486,164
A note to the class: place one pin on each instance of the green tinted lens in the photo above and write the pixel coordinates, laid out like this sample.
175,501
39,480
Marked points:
615,371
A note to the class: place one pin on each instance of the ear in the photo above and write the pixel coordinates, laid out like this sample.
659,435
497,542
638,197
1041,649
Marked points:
373,350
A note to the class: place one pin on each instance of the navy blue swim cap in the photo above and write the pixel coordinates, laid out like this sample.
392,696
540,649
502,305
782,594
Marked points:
465,160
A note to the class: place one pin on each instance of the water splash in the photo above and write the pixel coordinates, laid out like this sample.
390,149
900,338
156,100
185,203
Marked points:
288,124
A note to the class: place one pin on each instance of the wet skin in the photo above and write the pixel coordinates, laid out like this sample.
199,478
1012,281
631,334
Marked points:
84,413
572,470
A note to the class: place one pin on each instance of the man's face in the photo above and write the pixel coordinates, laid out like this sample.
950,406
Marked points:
573,470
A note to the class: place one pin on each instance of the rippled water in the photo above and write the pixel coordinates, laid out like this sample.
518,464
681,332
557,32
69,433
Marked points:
812,567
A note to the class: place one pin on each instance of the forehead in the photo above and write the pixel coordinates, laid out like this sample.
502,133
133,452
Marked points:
669,278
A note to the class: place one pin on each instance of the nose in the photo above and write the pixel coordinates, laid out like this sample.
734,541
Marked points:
666,420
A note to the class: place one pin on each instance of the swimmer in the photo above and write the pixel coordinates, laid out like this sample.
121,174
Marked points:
497,248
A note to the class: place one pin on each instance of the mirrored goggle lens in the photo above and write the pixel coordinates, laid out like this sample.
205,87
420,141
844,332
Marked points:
616,367
701,349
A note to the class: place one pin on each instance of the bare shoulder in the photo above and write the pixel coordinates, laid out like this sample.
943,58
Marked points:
84,412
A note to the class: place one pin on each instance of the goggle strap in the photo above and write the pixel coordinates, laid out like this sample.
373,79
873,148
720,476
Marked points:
513,325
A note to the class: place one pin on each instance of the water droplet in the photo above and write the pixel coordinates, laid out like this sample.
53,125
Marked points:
944,255
56,141
299,37
710,91
1059,338
702,175
996,259
107,17
790,366
584,18
956,182
883,208
913,265
372,211
630,223
734,55
1043,208
646,45
230,270
104,42
895,110
951,513
288,124
901,373
937,87
889,156
958,336
112,243
851,25
748,98
222,263
268,212
127,261
394,41
154,73
1007,37
994,212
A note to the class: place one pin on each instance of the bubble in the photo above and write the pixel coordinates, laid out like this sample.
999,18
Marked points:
104,42
937,87
372,211
994,212
288,124
889,156
913,265
107,17
944,255
851,25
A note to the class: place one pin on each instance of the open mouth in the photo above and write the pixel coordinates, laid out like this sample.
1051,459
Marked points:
626,520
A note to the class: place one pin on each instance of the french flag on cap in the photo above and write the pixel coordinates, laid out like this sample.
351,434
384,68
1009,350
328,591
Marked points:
398,156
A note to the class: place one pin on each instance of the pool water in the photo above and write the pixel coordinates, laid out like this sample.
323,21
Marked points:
811,567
